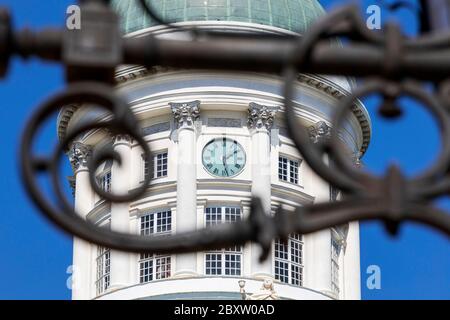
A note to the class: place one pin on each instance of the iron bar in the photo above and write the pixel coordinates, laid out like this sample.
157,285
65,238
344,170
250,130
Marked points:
392,64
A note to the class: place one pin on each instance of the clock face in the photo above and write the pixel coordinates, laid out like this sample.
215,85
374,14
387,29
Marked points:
223,157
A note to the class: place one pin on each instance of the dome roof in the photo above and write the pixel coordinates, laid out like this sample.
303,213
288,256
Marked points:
293,15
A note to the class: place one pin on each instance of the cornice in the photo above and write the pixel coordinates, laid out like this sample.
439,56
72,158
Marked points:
334,90
293,194
314,81
100,212
317,82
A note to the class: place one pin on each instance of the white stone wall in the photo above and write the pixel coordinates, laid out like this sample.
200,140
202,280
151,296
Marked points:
189,188
165,193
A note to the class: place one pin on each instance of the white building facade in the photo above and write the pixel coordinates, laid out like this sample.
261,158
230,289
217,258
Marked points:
217,139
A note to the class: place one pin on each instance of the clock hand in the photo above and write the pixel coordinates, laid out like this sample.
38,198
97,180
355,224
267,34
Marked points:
232,154
225,165
224,157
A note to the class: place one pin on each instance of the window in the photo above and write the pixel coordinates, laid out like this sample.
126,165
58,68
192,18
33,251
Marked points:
335,252
158,167
105,181
289,260
288,169
152,266
334,193
103,269
227,261
156,223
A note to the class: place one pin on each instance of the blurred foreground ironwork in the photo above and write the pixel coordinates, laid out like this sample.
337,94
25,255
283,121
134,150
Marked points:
391,64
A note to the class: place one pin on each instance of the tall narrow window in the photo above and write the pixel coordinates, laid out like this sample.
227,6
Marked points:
103,269
157,167
104,181
153,266
227,261
289,260
334,193
335,252
288,169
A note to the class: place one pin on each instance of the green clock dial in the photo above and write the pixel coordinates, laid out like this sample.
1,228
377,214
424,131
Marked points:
223,157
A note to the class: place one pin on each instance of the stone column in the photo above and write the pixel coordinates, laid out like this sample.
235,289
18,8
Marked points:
84,202
352,276
260,121
185,115
120,215
321,240
352,255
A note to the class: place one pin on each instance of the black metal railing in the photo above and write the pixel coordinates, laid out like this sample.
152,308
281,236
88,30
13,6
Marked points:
391,64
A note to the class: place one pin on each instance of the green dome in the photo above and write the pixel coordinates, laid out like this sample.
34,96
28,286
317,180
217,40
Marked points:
293,15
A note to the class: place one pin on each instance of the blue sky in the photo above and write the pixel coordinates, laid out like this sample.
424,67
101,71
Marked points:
34,255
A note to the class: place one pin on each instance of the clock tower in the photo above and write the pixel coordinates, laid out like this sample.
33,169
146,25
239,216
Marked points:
217,138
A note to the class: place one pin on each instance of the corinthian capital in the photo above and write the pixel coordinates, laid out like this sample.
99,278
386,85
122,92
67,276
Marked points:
185,113
260,116
78,155
319,131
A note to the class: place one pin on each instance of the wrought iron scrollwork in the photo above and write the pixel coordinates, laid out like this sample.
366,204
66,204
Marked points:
392,64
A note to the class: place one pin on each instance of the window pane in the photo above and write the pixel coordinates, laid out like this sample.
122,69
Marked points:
293,171
289,260
213,264
283,168
226,261
160,165
335,252
103,269
155,266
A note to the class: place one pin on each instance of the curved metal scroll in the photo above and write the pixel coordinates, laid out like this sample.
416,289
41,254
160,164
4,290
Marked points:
391,198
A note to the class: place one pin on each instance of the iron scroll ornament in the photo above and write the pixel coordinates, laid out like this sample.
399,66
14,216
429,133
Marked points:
392,198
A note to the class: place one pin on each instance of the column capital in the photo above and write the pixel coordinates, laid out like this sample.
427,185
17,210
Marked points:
78,155
185,113
261,116
319,131
122,139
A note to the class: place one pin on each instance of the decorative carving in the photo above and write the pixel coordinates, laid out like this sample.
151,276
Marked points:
78,155
267,291
260,116
319,132
185,113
